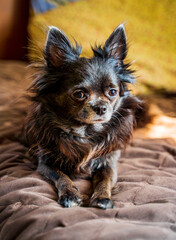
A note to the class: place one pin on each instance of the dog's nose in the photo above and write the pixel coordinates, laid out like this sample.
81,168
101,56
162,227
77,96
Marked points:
100,110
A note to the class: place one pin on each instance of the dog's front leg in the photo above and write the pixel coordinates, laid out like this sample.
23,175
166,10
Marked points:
68,193
104,179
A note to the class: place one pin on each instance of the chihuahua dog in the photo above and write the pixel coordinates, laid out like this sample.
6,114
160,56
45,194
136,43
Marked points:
82,115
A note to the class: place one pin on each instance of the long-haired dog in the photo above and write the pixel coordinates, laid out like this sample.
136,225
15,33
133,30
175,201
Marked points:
82,115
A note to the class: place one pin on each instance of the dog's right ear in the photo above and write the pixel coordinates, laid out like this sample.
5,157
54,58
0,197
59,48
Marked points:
116,43
58,49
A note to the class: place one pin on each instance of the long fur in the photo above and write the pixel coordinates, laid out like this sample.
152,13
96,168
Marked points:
61,141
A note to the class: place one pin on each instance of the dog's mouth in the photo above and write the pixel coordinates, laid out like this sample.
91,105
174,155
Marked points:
93,121
99,120
90,117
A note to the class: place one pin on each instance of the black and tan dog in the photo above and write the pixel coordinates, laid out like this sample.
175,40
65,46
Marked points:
82,115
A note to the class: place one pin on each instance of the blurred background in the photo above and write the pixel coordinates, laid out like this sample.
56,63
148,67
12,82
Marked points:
151,34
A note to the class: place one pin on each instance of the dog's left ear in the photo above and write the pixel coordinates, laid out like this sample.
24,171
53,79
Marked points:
116,46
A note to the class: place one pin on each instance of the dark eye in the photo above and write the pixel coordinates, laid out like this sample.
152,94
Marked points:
112,92
79,94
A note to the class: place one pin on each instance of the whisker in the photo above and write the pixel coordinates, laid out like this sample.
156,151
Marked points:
120,115
115,117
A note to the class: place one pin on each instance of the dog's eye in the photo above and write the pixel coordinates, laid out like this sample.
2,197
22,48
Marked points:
112,92
79,94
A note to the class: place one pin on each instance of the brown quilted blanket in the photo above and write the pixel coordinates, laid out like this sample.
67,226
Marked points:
144,196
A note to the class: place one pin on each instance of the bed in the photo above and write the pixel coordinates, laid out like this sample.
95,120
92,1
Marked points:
144,196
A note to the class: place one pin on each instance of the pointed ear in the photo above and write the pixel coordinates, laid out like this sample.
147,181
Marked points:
115,45
58,48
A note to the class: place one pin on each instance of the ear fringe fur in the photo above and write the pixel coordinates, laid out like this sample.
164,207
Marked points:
124,71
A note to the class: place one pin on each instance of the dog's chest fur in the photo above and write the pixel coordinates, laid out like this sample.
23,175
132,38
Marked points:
87,147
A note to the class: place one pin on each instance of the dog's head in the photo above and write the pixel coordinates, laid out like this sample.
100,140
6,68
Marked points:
88,90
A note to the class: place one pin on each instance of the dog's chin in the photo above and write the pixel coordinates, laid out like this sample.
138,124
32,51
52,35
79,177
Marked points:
94,121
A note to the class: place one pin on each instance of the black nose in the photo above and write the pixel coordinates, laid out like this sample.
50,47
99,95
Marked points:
100,110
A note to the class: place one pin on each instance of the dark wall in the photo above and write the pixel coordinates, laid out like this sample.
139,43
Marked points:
14,16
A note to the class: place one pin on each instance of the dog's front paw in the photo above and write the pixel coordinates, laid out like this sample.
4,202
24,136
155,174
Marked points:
102,203
70,198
